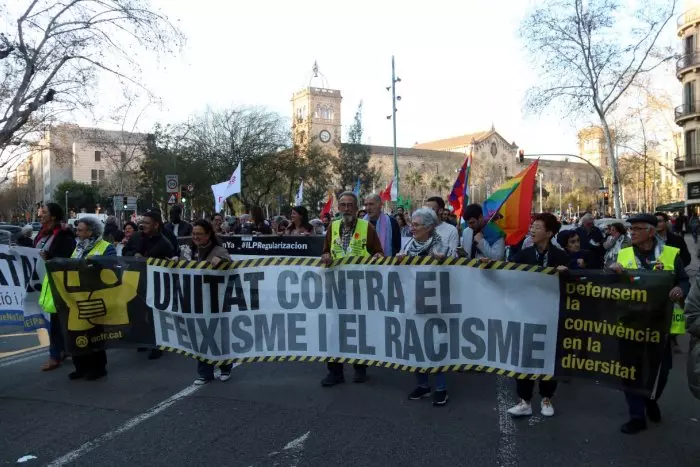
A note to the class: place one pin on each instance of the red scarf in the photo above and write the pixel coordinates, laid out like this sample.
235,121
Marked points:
45,232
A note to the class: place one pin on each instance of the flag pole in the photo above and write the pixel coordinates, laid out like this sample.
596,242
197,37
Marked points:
393,120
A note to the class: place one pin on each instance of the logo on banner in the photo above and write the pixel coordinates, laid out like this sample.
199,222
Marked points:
90,306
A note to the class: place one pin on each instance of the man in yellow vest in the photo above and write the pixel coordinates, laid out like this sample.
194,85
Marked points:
648,253
349,236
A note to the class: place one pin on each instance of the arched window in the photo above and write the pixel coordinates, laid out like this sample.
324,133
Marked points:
331,114
317,114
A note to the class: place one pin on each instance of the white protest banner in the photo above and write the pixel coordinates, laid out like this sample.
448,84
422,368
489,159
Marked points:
418,316
21,274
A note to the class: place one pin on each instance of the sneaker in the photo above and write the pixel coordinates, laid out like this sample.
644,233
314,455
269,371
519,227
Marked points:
546,407
73,375
653,411
419,393
523,409
360,375
201,381
225,376
633,427
439,398
332,379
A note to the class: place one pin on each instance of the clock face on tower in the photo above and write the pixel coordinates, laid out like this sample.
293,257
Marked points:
324,136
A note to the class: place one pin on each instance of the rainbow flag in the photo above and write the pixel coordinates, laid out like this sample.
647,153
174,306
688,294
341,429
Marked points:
507,210
459,196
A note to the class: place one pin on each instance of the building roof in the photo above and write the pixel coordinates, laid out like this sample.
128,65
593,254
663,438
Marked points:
411,152
456,141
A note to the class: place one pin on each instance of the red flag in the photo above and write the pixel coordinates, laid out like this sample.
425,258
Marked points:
459,196
386,194
329,204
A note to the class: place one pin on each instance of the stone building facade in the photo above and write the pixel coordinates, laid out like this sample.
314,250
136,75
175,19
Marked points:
87,155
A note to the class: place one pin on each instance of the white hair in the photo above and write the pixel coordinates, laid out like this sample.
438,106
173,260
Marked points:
426,216
584,218
27,228
92,224
374,197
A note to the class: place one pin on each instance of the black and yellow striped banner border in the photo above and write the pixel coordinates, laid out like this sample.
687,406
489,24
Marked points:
316,262
375,363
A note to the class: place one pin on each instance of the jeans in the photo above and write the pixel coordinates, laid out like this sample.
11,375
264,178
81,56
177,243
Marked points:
636,403
526,387
440,380
206,370
56,344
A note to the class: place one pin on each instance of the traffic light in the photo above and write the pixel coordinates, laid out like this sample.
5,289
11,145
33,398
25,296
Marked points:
183,193
605,198
125,202
521,156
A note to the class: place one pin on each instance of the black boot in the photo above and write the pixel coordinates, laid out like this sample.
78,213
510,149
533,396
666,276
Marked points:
332,379
634,426
155,354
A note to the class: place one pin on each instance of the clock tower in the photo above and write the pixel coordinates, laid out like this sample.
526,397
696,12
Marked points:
316,114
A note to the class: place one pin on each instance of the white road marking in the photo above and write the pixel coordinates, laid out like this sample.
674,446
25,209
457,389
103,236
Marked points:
292,453
128,425
22,356
26,458
507,455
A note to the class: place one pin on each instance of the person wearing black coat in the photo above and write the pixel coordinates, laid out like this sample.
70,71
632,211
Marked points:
150,243
671,239
54,240
542,253
177,226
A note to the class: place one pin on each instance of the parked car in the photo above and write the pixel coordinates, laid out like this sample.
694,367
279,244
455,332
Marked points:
13,230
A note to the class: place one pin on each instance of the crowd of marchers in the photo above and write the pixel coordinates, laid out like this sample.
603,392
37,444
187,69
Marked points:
367,229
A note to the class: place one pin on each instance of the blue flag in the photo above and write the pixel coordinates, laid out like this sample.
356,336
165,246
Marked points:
356,190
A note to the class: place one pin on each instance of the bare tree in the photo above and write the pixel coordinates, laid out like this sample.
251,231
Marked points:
589,53
52,53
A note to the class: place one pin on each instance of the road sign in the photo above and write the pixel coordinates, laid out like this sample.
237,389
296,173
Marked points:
190,188
171,183
603,189
172,198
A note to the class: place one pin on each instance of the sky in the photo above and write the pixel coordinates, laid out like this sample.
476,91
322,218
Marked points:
461,64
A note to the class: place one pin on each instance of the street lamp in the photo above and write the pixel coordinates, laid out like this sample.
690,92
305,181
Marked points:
394,98
67,200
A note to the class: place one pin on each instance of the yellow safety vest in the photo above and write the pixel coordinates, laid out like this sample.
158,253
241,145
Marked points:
358,241
668,259
45,298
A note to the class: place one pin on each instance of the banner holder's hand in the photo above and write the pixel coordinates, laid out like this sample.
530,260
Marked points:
562,269
484,260
375,257
676,294
326,258
616,267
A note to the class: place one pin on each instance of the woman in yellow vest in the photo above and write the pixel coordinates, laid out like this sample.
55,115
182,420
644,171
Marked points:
648,253
54,240
91,366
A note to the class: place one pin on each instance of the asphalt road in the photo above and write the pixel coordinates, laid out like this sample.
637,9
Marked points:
147,413
249,420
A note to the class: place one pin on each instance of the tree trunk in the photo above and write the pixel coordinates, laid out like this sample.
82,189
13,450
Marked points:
644,182
613,167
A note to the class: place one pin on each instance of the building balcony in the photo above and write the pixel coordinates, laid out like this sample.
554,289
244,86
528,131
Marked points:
689,19
691,162
687,111
687,63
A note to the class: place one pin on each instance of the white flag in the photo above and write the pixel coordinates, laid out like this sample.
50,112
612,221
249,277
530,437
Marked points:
299,199
234,182
395,189
225,189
